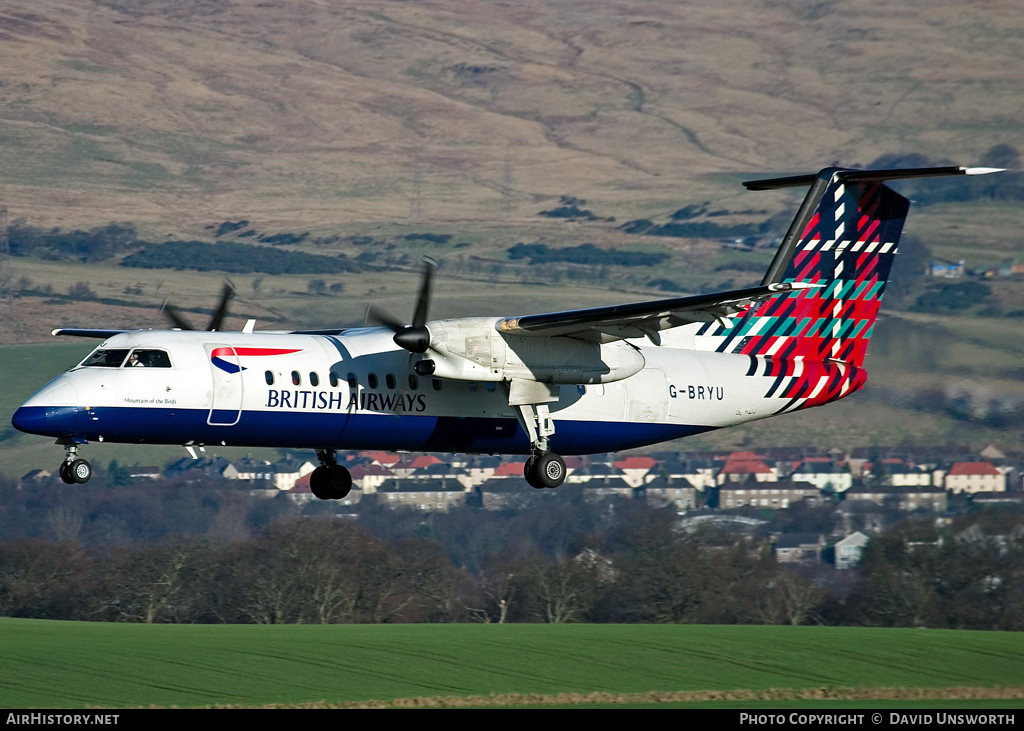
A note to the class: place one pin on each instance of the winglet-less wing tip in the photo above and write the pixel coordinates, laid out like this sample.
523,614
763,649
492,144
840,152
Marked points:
983,171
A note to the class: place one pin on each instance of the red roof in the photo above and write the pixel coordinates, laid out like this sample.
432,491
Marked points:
973,468
743,463
422,461
383,457
745,467
636,463
510,469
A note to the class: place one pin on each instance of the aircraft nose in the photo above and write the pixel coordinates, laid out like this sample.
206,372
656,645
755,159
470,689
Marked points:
51,404
30,419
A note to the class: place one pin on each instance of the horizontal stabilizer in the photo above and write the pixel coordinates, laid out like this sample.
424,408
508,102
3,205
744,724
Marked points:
865,176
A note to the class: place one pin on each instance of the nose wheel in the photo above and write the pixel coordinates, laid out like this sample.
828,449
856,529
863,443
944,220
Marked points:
329,481
74,471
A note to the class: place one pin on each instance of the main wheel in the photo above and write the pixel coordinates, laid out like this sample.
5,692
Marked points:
548,470
65,474
80,471
530,473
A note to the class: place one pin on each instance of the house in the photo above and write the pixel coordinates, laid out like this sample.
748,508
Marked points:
249,469
910,498
973,477
426,495
945,269
799,548
606,488
823,474
479,471
414,467
850,549
904,475
765,495
499,493
743,466
663,491
369,477
635,469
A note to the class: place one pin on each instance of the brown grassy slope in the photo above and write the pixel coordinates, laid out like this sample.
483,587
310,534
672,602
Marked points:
178,113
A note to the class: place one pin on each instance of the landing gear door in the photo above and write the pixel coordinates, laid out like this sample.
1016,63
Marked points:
226,398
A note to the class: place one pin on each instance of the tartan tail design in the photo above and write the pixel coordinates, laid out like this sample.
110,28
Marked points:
813,341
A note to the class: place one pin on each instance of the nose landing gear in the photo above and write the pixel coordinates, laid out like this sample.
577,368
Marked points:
73,471
329,481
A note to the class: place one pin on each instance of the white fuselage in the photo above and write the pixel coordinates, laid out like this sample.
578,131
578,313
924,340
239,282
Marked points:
357,390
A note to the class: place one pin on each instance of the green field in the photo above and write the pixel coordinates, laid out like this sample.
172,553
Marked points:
73,664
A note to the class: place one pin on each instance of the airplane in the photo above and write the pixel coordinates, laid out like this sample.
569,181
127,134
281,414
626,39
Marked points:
584,381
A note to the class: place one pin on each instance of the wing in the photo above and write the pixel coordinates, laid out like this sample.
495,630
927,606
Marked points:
643,319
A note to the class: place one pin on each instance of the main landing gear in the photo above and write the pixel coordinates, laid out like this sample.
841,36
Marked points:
544,468
73,471
329,481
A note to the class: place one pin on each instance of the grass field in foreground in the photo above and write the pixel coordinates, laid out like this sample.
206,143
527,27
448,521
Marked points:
73,664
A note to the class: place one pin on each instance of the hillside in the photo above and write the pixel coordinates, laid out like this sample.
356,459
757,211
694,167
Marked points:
321,115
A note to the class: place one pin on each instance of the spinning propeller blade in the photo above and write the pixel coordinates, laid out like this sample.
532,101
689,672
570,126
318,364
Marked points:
178,320
415,337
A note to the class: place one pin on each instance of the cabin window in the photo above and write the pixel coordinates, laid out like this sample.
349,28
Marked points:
490,386
414,382
371,380
473,385
296,378
390,380
148,359
314,380
436,383
106,359
333,377
269,375
353,382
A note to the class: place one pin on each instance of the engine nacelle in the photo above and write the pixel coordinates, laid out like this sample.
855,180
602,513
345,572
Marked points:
471,349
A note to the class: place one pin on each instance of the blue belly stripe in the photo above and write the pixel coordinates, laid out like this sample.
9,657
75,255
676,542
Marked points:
304,430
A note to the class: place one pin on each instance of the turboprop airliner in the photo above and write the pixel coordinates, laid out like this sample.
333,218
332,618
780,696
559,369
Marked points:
575,382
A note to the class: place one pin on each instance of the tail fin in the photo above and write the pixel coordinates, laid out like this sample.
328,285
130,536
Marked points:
843,238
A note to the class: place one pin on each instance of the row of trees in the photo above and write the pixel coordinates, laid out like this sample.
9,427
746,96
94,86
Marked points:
633,564
329,571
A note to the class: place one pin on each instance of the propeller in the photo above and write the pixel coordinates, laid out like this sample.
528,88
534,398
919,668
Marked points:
174,315
414,337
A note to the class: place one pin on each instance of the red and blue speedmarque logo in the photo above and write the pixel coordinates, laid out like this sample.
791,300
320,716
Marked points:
218,355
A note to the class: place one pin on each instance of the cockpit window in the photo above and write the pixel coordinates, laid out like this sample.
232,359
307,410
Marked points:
148,359
105,358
